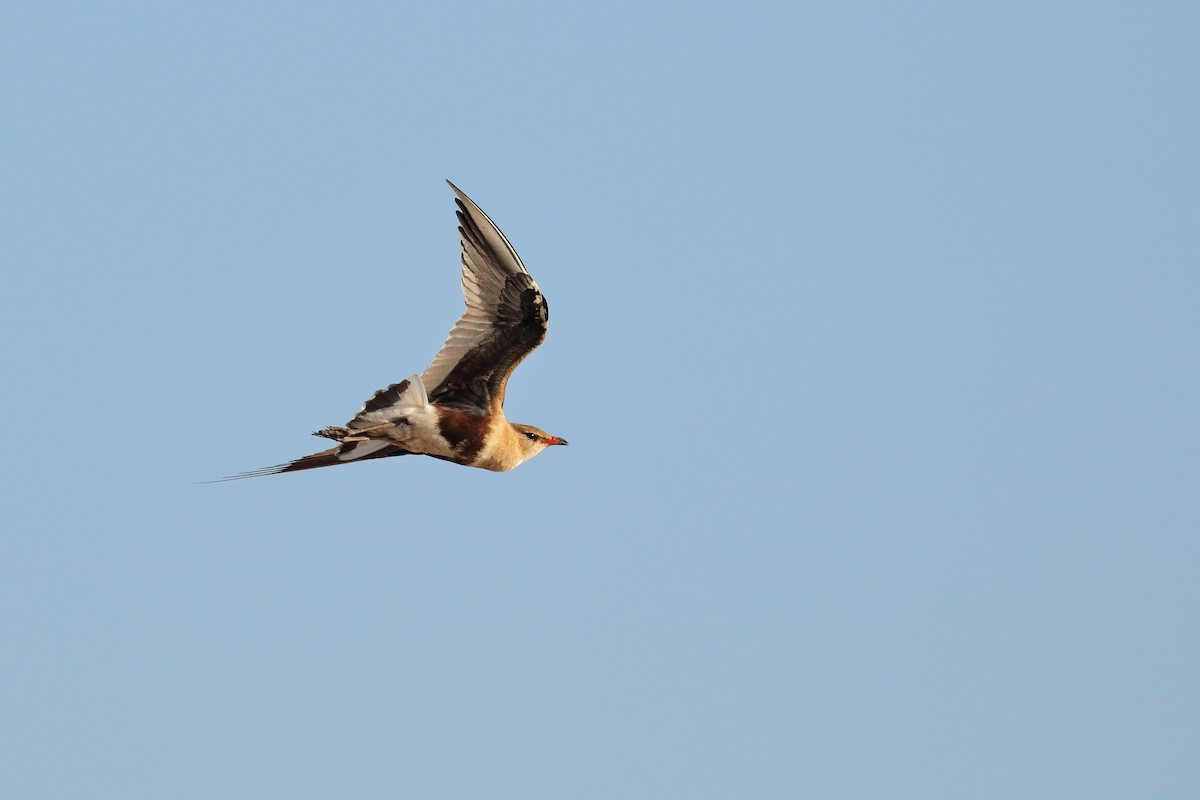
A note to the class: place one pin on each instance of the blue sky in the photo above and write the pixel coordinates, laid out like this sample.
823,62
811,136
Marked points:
874,332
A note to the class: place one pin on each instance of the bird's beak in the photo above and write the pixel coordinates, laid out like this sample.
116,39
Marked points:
555,440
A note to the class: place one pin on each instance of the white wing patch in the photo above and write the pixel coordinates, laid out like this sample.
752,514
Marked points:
395,401
363,448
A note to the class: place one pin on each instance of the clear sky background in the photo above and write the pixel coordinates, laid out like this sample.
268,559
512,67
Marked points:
874,331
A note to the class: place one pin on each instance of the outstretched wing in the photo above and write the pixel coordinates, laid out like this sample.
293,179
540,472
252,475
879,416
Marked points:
348,453
505,318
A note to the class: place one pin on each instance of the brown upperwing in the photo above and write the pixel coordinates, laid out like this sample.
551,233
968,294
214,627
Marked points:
325,458
505,319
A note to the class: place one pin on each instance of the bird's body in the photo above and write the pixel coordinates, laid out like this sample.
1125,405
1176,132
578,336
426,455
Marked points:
455,409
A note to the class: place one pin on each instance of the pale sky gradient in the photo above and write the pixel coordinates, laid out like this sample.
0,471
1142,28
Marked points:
874,330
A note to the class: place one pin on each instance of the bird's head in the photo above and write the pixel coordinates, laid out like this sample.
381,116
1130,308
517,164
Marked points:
532,441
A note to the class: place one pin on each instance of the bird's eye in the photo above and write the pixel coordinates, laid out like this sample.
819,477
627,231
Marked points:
531,436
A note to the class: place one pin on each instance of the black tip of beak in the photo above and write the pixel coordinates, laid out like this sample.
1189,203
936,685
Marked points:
559,441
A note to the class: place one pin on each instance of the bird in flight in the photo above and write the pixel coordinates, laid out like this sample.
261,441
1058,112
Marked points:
455,409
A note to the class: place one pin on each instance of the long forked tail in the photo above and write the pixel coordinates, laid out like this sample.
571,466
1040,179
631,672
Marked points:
348,453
